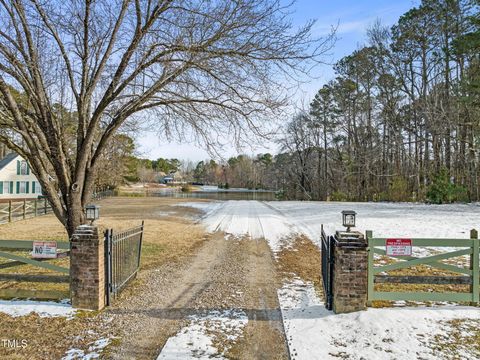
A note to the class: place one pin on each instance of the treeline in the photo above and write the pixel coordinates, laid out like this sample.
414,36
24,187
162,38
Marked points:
400,122
241,171
121,165
401,119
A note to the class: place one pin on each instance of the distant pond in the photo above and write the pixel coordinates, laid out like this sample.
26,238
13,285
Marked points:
260,195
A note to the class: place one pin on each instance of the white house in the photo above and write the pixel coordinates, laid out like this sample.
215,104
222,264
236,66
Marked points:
16,179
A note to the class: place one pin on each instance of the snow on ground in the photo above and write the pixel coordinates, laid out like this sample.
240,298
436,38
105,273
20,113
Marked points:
389,333
278,220
385,219
197,339
311,330
93,352
246,218
43,309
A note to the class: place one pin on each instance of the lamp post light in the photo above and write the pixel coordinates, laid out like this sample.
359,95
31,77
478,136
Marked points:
348,217
92,212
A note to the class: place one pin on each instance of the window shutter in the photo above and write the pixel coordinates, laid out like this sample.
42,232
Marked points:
33,187
11,187
1,187
18,167
18,187
28,168
27,185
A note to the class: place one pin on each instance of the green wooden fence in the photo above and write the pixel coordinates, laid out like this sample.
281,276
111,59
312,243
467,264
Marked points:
463,275
14,210
9,250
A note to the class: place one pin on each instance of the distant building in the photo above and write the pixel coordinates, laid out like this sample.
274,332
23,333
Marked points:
16,179
168,179
173,179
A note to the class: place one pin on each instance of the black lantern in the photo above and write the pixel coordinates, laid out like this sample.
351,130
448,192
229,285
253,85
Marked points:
92,212
348,217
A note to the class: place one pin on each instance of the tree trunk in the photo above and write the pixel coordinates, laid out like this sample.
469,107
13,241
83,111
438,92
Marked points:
75,213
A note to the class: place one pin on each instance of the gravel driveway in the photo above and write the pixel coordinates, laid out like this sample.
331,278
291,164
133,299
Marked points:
236,275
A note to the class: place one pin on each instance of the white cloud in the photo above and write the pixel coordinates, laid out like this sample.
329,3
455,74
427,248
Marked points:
356,19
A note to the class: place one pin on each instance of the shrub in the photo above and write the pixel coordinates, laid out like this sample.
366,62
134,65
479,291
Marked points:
460,194
442,190
131,194
339,196
280,195
381,196
186,188
398,190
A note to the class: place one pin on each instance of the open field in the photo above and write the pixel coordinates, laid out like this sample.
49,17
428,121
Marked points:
169,232
292,230
170,235
220,278
279,219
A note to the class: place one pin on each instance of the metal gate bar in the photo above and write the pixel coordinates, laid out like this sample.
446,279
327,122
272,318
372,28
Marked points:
328,246
122,259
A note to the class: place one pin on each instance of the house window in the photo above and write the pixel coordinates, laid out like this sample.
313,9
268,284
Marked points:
23,168
36,187
6,187
22,187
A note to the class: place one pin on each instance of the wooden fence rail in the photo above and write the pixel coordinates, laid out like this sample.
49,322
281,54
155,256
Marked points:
455,274
24,209
13,260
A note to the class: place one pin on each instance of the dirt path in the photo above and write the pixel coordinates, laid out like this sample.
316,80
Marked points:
223,274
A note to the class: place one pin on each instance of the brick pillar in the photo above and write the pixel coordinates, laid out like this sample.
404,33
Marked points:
87,269
350,273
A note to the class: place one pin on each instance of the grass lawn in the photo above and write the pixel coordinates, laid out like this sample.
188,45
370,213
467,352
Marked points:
170,234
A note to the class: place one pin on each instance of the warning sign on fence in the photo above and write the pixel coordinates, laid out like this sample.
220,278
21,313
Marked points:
44,249
399,247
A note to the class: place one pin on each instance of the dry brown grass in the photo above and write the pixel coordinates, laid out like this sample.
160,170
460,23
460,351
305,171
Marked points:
303,260
420,270
462,334
168,234
47,338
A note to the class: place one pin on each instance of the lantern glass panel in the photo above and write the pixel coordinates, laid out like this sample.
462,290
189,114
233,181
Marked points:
91,212
350,220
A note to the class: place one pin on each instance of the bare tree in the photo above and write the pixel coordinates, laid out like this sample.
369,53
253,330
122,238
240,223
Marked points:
146,175
72,73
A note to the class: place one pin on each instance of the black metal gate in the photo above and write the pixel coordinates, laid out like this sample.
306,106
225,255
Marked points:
122,259
328,247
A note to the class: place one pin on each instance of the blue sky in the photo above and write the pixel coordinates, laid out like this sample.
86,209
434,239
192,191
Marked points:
351,17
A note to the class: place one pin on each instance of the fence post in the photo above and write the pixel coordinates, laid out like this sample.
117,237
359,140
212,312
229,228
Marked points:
350,279
24,209
370,285
108,265
87,268
474,266
35,206
45,206
10,211
140,245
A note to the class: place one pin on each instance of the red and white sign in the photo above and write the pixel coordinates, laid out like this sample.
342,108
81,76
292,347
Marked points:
44,250
399,247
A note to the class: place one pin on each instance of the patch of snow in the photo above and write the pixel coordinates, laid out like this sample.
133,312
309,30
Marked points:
164,213
279,220
384,219
94,351
197,339
389,333
246,218
17,308
208,188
